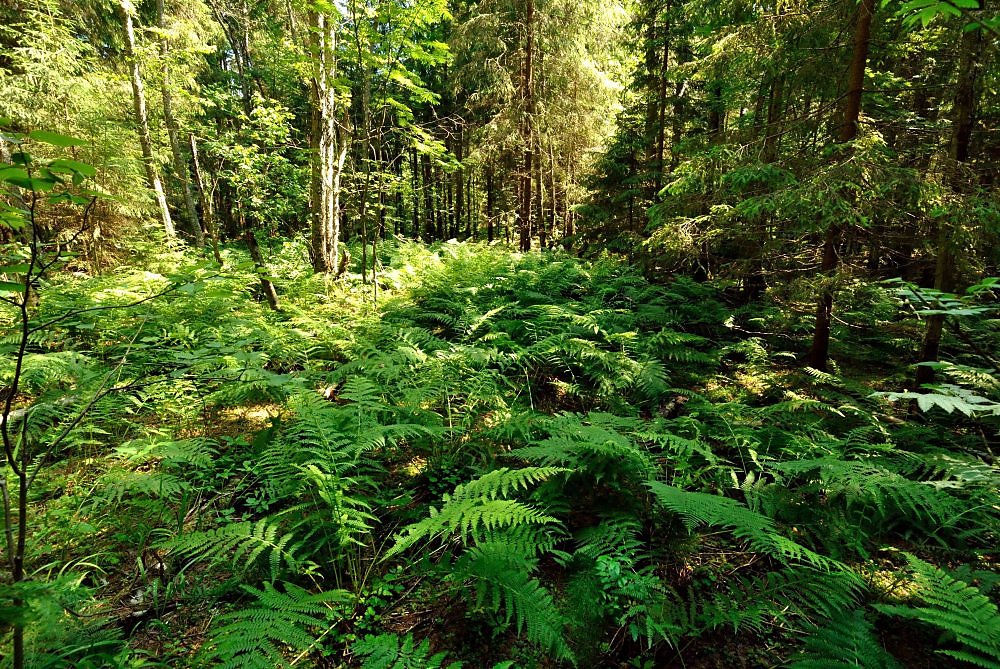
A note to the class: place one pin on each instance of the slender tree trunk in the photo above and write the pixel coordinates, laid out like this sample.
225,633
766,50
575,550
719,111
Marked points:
527,123
677,111
773,130
819,353
180,164
490,196
451,210
964,119
460,185
142,122
266,286
207,206
651,66
415,185
661,122
330,147
553,199
429,227
471,226
539,200
439,204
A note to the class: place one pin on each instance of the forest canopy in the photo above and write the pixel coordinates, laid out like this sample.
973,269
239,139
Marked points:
512,333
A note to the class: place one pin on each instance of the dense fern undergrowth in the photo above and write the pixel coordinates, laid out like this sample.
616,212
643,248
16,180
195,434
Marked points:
495,460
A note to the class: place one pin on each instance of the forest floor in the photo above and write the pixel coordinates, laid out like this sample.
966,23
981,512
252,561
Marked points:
497,459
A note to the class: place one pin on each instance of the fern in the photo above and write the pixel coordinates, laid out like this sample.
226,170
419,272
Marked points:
957,609
387,651
503,585
760,531
475,507
868,483
502,537
240,545
591,446
844,641
262,634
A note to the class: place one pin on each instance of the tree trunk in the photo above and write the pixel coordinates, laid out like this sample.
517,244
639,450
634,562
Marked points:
142,122
651,66
490,196
527,122
539,200
329,145
207,207
415,185
180,164
819,353
460,185
772,132
661,121
964,119
553,199
428,187
270,294
441,212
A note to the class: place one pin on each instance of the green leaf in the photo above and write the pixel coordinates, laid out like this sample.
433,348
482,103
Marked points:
14,269
33,183
17,172
11,287
73,166
55,139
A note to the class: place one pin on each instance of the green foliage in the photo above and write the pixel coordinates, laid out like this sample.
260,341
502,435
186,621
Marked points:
960,611
240,546
476,510
761,532
458,451
258,635
388,651
845,640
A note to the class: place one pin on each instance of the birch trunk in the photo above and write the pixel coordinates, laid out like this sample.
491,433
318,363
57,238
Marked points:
142,120
180,165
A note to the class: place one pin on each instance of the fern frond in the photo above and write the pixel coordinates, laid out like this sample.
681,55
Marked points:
386,651
240,545
844,642
697,508
260,635
504,585
956,608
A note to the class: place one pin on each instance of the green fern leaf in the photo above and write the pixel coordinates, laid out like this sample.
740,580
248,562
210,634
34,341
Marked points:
956,608
262,634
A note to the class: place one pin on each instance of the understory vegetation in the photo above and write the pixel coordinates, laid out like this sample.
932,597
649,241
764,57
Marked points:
495,459
501,334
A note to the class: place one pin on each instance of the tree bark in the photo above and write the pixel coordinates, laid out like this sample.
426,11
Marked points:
527,123
490,196
661,122
460,185
963,122
266,286
142,121
207,206
330,147
180,165
819,353
539,199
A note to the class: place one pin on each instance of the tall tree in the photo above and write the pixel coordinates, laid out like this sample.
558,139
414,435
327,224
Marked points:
963,122
527,97
819,352
328,140
142,120
179,161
